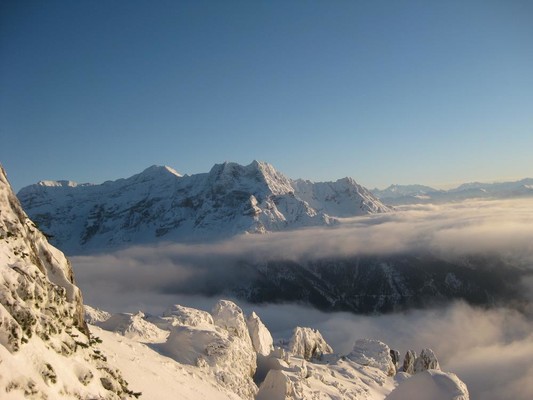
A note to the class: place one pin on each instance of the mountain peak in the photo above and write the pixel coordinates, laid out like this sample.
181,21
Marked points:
158,170
257,177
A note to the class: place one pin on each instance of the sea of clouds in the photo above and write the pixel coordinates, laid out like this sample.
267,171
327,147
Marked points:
490,349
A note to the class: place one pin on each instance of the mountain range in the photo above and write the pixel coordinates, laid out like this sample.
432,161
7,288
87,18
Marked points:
159,204
415,194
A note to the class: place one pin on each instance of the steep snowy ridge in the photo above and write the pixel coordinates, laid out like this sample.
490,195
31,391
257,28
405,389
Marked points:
46,351
160,204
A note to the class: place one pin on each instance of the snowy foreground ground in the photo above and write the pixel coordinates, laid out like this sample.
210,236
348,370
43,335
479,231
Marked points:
192,354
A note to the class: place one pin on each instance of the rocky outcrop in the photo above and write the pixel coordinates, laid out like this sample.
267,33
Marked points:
222,347
413,364
180,315
373,353
260,335
409,362
229,316
45,345
309,344
426,360
395,356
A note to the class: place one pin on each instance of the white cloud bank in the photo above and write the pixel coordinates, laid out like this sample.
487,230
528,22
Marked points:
497,230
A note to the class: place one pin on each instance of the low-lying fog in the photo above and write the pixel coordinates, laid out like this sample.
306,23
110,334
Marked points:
490,349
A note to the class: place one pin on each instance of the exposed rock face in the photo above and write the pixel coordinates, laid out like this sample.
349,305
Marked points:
45,345
309,344
260,335
373,353
34,265
395,356
409,362
426,360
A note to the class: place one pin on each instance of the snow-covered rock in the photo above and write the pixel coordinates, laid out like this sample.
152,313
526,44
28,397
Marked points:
276,386
224,348
160,204
332,378
134,326
181,315
230,317
95,315
213,361
308,343
430,384
46,351
426,360
260,335
373,353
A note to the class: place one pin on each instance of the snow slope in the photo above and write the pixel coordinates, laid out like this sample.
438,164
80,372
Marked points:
160,204
157,376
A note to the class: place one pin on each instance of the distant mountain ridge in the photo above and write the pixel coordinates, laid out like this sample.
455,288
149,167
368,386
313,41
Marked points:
161,204
412,194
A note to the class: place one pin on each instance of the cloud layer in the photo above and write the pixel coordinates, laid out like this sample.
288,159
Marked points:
496,230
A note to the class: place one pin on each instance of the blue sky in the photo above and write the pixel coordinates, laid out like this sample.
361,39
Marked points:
432,92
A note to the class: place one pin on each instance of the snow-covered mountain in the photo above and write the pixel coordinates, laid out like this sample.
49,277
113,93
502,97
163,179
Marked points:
413,194
160,204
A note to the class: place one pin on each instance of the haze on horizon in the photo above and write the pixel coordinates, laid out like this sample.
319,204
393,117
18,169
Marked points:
435,93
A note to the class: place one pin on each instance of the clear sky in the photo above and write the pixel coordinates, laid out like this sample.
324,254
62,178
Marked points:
431,92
